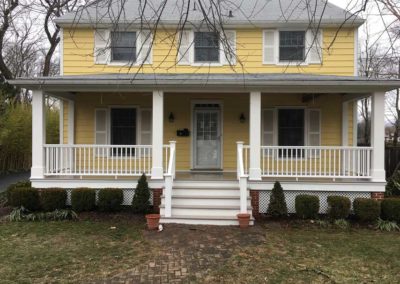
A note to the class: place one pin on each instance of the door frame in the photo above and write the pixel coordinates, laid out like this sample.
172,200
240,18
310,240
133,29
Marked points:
192,140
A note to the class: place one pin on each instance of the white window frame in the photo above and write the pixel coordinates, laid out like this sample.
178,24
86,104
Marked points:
123,62
193,48
291,63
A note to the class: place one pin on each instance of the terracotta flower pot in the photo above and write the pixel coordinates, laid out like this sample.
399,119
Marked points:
152,221
244,220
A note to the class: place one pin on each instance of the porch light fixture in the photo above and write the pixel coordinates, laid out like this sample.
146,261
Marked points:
171,117
242,119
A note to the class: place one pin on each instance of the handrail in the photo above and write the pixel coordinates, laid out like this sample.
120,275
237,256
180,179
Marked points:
169,179
242,177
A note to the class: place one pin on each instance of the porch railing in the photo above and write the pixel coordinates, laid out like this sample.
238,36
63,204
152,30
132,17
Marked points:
97,160
316,161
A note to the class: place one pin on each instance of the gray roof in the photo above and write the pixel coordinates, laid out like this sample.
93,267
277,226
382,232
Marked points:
259,13
211,82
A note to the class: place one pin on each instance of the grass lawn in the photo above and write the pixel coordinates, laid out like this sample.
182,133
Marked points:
91,250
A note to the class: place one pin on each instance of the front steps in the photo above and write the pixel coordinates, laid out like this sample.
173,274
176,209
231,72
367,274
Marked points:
204,203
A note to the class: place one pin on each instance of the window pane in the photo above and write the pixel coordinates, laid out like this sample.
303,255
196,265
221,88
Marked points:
206,47
291,46
123,46
123,127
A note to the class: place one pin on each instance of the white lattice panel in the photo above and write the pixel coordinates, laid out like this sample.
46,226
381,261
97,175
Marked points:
290,197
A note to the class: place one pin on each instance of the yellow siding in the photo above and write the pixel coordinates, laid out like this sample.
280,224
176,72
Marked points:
65,121
233,131
338,55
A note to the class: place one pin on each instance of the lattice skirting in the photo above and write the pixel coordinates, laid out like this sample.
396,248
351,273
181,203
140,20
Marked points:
128,195
291,195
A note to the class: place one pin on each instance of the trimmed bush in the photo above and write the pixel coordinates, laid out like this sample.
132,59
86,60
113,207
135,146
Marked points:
24,196
277,203
110,199
83,199
338,207
307,206
366,209
53,198
393,185
391,209
20,184
140,201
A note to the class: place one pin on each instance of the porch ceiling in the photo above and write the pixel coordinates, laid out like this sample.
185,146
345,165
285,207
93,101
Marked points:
232,83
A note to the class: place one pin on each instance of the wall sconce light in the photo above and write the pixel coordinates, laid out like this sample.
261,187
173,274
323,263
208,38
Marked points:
171,117
242,119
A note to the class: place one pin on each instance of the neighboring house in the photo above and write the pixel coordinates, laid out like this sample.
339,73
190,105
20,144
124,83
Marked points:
215,120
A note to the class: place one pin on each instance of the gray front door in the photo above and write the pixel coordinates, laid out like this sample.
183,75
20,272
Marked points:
207,139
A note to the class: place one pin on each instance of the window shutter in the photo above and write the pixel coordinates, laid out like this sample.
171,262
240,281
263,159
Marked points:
101,46
268,127
270,47
229,48
314,127
184,42
101,126
145,126
144,44
314,45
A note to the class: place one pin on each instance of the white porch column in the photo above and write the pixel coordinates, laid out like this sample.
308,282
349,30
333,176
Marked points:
61,123
38,133
255,136
157,140
378,136
71,122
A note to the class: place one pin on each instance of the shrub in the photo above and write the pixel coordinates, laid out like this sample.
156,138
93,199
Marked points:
140,201
83,199
393,185
391,209
22,214
53,198
338,207
277,204
24,196
110,199
342,224
307,206
366,209
387,226
20,184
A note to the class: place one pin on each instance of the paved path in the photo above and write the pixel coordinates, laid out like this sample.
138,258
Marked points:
6,180
187,254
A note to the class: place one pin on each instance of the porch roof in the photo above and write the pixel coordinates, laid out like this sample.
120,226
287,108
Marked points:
268,83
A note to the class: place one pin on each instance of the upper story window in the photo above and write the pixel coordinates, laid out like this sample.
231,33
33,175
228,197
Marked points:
292,46
123,46
206,47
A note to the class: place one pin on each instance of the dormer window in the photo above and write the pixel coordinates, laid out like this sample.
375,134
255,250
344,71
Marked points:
206,47
292,46
123,46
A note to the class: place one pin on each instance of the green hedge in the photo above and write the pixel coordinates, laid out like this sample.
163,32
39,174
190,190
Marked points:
366,209
53,198
24,196
83,199
390,209
338,207
307,206
110,199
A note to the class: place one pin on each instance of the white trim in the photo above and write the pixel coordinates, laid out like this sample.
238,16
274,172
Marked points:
255,136
377,136
91,183
356,51
61,51
71,122
61,122
157,135
38,133
310,185
221,118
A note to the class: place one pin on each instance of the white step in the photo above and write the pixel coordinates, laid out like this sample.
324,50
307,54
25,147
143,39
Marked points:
205,200
203,220
201,210
229,191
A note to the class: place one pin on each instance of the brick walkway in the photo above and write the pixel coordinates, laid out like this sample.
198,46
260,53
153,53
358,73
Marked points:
187,254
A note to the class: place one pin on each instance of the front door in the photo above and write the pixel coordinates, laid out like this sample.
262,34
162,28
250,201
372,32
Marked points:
207,136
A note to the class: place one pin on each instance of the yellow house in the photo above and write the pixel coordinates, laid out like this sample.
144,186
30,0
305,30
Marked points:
212,103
